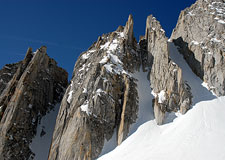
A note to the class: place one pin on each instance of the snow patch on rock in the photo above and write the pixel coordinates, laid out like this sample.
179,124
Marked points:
161,96
85,108
69,99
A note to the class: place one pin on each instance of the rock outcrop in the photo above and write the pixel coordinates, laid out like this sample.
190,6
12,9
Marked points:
6,74
169,89
101,98
200,36
31,89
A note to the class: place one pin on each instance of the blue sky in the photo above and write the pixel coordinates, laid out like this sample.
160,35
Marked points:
69,27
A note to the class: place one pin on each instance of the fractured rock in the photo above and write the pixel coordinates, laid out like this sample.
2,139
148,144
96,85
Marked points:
101,98
36,84
200,36
169,89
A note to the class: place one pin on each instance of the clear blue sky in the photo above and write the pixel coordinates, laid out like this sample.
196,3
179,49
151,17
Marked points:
69,27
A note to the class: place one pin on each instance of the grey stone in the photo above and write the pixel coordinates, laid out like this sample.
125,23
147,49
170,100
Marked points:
6,74
200,36
101,99
34,88
165,76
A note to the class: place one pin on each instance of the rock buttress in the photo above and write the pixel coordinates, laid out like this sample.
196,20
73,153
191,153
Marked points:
37,84
101,99
169,89
200,35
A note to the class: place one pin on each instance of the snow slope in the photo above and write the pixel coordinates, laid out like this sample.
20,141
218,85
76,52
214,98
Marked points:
197,135
145,112
41,144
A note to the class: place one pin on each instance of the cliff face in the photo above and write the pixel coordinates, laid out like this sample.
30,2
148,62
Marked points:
101,98
169,89
34,86
201,39
6,74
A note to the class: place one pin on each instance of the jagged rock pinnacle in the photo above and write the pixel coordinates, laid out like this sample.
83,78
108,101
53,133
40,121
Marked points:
43,49
128,30
33,86
166,76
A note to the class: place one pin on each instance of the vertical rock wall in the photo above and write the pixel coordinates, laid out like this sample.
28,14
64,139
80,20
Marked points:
200,35
169,89
101,98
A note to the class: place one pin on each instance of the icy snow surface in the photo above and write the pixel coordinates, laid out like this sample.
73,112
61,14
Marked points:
221,21
69,99
195,42
85,108
197,135
41,145
145,112
84,90
162,97
216,40
85,56
104,60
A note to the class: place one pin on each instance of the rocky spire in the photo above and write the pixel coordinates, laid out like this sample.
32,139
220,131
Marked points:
101,99
32,91
6,74
169,89
128,30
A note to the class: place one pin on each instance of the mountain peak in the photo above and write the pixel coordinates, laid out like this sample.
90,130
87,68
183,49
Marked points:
128,30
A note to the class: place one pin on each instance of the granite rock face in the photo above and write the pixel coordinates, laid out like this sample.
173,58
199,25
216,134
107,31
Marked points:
201,39
101,98
170,91
34,85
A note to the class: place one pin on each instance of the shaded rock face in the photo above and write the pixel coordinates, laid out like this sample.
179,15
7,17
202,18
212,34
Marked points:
6,74
169,89
201,39
101,98
36,84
